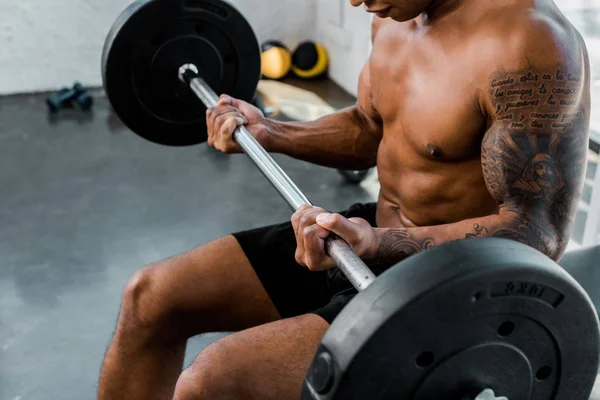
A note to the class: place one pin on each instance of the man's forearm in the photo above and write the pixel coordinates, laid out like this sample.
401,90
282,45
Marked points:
395,244
346,139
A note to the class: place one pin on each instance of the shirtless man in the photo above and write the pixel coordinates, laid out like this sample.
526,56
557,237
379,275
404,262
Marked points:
476,114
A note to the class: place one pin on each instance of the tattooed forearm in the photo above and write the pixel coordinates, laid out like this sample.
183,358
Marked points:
534,154
397,244
479,231
520,231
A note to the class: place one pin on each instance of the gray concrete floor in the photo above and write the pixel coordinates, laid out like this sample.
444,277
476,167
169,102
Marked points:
83,204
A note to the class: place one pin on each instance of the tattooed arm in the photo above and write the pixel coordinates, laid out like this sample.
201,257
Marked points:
533,158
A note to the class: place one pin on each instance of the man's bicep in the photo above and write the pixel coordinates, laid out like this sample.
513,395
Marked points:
534,152
536,143
526,169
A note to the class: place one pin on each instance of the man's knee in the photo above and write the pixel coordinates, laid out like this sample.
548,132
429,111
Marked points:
215,374
143,307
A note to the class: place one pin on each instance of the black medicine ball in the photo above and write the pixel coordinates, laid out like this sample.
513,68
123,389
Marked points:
310,60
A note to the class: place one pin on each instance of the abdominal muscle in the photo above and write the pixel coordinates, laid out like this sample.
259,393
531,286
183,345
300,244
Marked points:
447,194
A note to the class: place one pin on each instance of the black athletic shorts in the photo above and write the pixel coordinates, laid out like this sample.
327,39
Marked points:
293,289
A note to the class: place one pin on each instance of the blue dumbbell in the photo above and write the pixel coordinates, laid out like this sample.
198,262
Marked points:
66,96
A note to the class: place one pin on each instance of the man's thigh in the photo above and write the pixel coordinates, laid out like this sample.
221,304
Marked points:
225,286
211,288
264,362
236,282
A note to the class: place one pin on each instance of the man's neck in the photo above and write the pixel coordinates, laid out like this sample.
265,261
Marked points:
438,9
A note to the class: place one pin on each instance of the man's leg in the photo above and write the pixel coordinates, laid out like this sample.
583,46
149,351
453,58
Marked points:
212,288
266,362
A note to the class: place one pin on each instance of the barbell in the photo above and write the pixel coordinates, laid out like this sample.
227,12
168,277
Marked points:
468,319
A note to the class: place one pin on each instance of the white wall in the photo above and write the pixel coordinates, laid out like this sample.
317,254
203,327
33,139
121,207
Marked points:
47,44
290,21
345,32
585,15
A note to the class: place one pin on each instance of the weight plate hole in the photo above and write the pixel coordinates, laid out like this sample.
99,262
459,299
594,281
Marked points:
199,29
229,58
506,328
543,373
477,296
425,359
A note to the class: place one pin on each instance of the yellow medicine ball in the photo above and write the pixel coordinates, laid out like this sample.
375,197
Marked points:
276,60
310,60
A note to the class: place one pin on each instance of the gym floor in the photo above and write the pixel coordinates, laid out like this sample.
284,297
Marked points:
84,203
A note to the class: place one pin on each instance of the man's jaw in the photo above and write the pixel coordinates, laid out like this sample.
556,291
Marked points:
381,12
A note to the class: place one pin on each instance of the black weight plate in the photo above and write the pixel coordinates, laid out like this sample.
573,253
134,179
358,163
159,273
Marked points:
459,318
146,46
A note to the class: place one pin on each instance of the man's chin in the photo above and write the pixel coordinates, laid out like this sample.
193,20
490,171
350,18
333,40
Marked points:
399,19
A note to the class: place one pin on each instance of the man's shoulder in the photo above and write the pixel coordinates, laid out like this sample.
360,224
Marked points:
540,36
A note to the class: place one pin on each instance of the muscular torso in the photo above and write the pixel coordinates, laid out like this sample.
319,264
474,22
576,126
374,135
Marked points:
424,87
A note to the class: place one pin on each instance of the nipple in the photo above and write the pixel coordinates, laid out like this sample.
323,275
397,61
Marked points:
435,151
